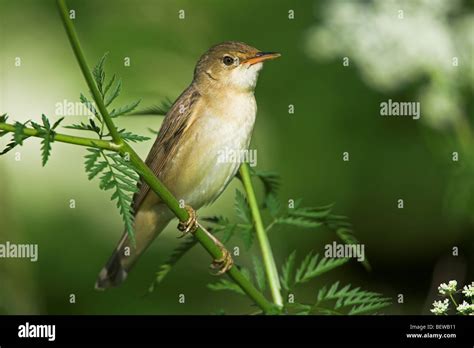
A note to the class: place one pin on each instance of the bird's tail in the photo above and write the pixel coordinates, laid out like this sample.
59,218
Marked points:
148,225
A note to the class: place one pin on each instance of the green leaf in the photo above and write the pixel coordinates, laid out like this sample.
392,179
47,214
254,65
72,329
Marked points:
359,301
92,164
46,123
48,134
308,217
312,212
87,127
124,109
298,308
109,84
10,146
228,232
221,225
224,284
287,274
259,273
114,93
242,207
175,256
117,175
271,181
18,135
310,267
90,105
99,73
243,212
272,204
369,307
160,110
313,217
247,235
298,221
57,123
132,137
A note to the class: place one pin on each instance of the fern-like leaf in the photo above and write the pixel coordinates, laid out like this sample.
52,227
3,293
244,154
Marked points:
114,92
271,181
118,175
221,225
47,133
18,135
287,273
312,267
123,110
91,126
273,205
10,146
298,222
99,73
132,137
160,110
176,255
243,212
259,274
242,208
89,105
359,301
224,284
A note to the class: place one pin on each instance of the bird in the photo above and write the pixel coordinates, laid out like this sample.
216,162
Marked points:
215,113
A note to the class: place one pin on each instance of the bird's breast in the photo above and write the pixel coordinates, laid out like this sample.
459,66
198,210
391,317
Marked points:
217,138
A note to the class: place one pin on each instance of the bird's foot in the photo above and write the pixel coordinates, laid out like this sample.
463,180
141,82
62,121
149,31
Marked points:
223,264
190,225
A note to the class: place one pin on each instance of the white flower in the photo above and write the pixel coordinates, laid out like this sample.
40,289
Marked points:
468,290
379,38
448,289
465,308
440,307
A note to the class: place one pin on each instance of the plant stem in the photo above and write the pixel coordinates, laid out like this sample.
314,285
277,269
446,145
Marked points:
76,47
267,255
452,299
147,174
64,138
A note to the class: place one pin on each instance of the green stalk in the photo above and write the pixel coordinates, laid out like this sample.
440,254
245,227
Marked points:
63,138
147,174
76,47
271,271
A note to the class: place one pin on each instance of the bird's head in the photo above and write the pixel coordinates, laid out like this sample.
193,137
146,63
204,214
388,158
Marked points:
231,64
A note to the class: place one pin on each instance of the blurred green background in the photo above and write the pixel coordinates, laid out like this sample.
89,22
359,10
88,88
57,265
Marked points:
336,110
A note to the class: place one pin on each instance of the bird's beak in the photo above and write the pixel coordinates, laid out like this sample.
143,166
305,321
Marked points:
262,56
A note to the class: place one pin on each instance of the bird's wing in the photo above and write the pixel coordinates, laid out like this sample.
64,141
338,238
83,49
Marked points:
177,120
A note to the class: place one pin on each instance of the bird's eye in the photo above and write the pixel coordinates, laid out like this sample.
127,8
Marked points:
228,60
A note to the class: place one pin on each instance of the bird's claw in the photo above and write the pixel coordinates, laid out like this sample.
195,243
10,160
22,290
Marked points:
190,225
223,264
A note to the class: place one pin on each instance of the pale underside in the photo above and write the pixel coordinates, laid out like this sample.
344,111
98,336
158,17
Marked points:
188,162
